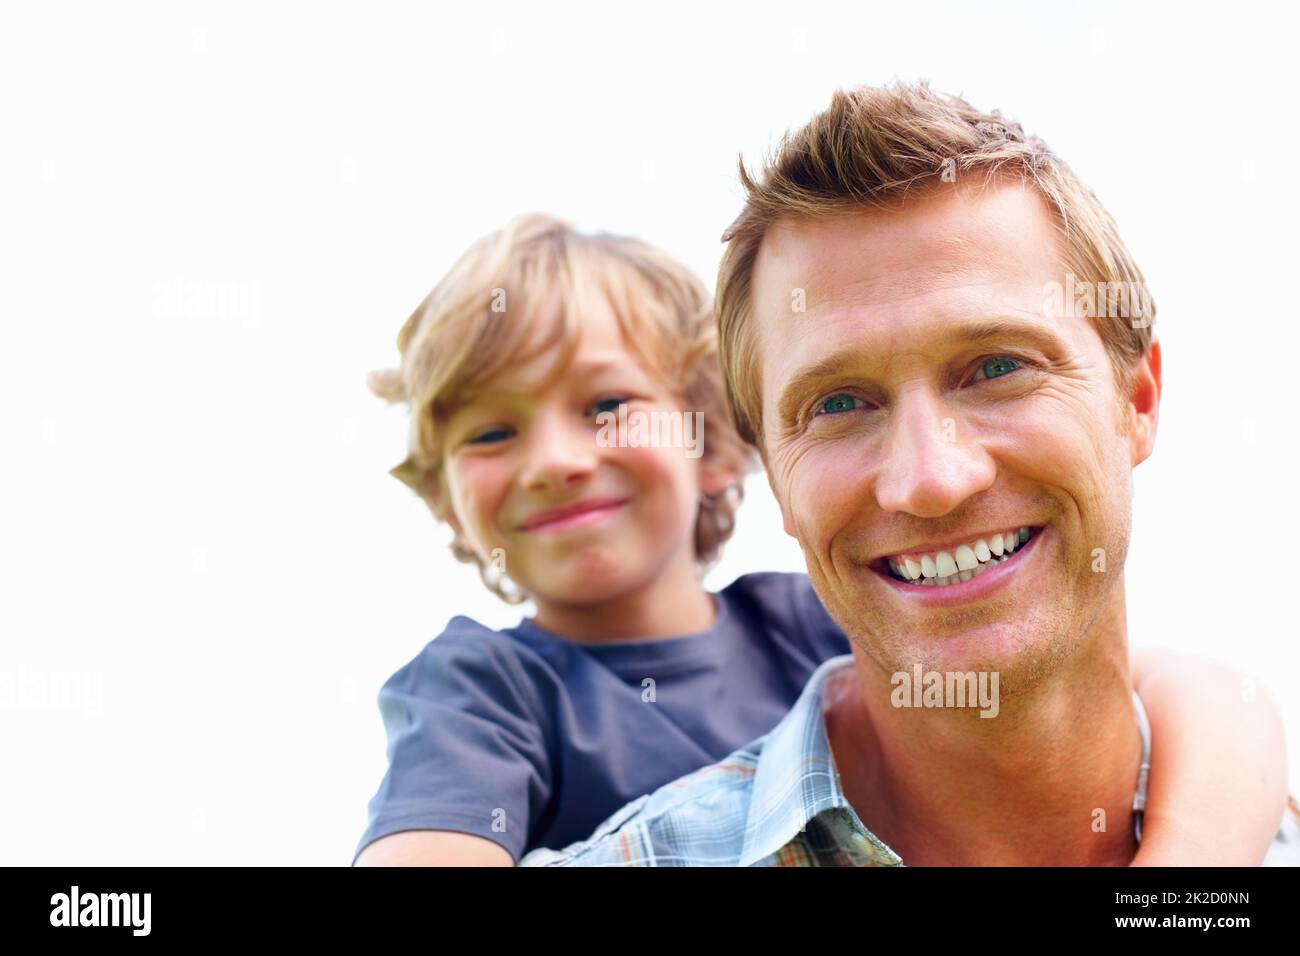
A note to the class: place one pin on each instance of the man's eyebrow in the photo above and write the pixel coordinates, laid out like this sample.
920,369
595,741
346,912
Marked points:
849,357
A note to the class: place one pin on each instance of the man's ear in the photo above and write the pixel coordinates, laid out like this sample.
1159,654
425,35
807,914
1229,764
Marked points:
1144,404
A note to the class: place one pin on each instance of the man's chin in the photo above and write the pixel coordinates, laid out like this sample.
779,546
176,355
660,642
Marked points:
1021,652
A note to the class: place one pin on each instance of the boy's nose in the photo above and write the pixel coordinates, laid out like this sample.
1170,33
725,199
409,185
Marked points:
559,455
931,465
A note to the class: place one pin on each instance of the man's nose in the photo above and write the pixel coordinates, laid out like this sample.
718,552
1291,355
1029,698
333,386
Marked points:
560,452
931,465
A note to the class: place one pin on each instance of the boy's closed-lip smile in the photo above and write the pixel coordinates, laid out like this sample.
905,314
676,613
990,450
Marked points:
580,513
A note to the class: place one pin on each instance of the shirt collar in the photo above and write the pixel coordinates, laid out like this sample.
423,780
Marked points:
796,779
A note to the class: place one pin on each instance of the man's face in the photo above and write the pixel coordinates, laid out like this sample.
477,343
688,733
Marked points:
913,437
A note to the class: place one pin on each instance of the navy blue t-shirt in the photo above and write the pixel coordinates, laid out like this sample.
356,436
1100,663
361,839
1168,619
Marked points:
530,740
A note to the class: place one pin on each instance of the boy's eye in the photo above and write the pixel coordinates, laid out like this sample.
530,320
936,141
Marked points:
841,402
607,405
489,436
999,366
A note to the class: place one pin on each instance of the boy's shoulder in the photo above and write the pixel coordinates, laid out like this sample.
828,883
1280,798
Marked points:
782,597
779,589
461,632
467,650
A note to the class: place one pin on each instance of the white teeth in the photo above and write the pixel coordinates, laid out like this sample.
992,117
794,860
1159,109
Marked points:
961,563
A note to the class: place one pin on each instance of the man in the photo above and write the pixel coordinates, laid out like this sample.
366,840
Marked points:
939,344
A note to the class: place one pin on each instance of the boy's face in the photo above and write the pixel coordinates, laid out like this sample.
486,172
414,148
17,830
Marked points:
516,453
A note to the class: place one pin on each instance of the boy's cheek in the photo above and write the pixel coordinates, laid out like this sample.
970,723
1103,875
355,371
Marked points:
664,466
475,499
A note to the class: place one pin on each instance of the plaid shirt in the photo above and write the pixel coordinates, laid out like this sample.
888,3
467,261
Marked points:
778,802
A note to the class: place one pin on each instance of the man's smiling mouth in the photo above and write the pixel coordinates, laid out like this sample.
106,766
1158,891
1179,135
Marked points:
957,564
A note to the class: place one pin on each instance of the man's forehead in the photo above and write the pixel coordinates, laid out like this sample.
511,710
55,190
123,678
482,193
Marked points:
964,253
936,236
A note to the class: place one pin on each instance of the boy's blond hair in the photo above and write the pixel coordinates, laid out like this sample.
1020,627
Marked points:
869,149
496,308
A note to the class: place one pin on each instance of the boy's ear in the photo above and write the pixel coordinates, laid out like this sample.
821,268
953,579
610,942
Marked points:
714,479
448,517
440,507
459,540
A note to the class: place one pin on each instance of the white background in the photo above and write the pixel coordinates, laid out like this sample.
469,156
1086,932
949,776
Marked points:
215,219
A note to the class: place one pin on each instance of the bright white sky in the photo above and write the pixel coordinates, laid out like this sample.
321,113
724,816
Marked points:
199,542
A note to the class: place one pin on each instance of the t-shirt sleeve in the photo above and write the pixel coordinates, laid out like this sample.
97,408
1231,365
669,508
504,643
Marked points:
467,744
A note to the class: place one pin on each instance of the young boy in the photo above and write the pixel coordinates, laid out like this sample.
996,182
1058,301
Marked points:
631,674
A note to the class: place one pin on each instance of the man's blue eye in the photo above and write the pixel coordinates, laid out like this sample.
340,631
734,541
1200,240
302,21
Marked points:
838,403
1007,366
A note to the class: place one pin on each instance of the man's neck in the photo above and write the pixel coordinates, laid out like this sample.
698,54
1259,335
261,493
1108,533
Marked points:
1028,787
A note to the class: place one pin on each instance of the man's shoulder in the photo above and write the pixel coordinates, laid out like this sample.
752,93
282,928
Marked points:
711,804
724,813
1285,849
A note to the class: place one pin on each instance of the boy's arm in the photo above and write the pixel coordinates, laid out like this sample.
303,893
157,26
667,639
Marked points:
433,848
1218,762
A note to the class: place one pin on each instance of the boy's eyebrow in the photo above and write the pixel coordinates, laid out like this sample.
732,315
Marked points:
850,357
499,396
600,364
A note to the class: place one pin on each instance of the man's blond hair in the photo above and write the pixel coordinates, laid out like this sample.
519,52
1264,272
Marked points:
522,291
869,149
